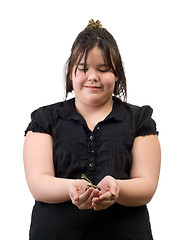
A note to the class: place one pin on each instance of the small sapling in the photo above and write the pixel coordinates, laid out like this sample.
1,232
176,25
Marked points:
91,184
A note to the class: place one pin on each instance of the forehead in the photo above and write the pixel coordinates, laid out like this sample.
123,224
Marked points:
94,55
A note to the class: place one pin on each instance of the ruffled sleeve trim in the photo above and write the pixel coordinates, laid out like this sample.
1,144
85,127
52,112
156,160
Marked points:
145,124
41,121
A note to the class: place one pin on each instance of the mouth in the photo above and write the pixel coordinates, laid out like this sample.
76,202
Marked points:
93,87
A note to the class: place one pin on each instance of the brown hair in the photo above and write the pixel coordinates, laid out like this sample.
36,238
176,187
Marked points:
95,35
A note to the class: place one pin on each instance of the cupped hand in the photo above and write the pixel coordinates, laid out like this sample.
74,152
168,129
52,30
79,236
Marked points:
109,193
81,198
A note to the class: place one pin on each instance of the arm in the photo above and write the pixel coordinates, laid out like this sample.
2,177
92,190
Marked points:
144,173
39,170
141,186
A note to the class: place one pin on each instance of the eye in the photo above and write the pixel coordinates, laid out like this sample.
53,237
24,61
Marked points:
81,68
103,70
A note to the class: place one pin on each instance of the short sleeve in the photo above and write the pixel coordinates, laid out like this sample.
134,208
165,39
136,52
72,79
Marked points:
145,124
41,121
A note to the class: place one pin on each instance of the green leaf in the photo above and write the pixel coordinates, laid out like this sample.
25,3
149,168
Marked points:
84,177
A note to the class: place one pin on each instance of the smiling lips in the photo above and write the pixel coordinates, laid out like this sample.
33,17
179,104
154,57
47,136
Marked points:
93,87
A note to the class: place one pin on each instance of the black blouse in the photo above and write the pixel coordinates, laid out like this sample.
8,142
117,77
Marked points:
104,151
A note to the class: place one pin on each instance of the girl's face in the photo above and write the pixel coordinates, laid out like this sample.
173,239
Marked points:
95,86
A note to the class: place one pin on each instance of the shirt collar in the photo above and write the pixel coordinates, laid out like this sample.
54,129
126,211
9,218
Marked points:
118,110
67,110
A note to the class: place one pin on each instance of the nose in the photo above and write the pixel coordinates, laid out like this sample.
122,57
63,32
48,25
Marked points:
93,76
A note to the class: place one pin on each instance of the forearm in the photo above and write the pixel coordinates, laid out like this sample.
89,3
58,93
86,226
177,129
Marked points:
135,192
49,189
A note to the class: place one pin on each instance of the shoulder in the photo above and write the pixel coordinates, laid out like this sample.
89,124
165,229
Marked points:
145,124
138,118
44,118
133,110
47,109
138,110
53,110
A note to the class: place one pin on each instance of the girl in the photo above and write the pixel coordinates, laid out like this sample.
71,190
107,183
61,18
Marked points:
98,134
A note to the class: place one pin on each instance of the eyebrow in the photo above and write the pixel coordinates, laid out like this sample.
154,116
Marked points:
99,65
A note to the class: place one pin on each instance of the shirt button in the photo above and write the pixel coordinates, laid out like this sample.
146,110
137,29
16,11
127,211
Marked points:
91,164
92,151
97,127
91,137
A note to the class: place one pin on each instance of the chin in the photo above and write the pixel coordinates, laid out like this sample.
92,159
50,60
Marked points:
96,101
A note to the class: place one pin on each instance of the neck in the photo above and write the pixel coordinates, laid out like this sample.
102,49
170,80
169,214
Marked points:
94,113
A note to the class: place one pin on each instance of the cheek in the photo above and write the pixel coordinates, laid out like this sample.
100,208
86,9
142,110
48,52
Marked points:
77,81
110,81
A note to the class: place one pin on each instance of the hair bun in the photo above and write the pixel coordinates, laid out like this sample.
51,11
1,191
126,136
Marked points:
94,24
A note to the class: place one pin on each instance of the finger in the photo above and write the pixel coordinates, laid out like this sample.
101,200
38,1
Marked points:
95,193
85,196
106,199
102,204
75,197
85,200
74,194
89,196
112,185
113,189
106,196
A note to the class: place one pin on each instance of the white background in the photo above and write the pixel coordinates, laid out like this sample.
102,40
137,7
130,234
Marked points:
35,41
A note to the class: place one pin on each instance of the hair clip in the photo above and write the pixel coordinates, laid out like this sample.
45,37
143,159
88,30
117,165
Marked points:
94,24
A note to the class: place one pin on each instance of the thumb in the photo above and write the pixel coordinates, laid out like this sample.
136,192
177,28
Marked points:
113,188
73,194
